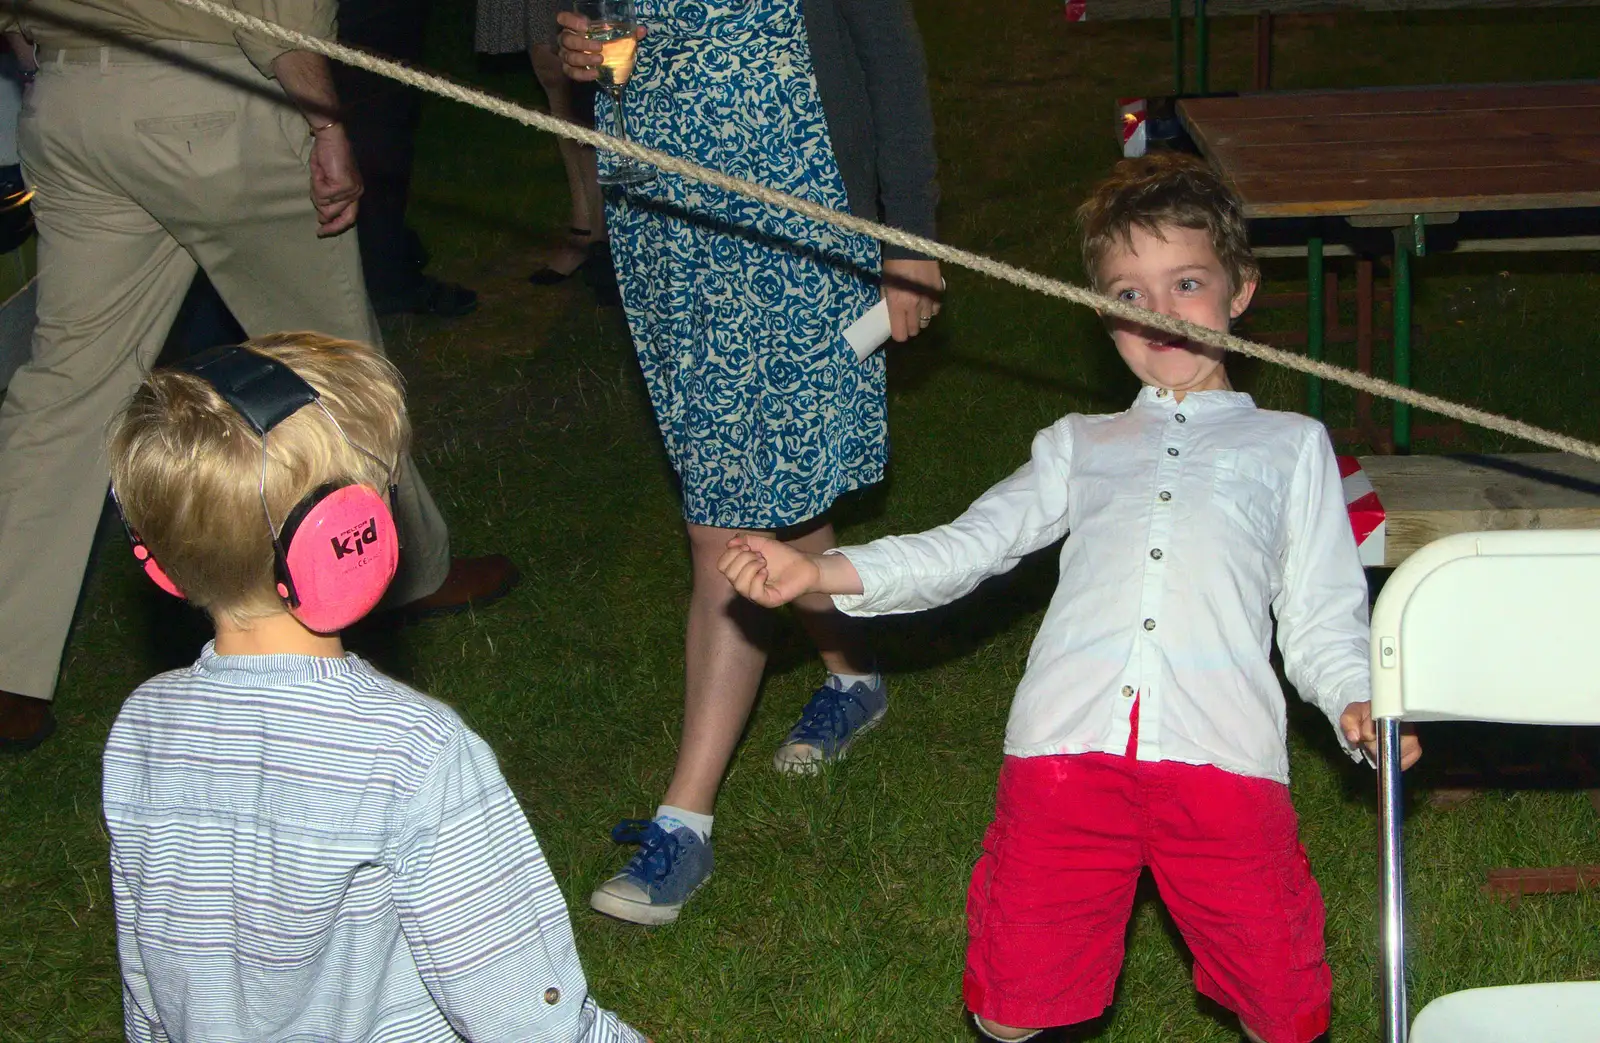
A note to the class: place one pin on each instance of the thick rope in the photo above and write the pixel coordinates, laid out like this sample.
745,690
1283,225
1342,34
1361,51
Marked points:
927,247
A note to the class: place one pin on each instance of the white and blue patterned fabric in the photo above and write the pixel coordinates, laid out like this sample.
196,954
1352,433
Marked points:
304,849
738,309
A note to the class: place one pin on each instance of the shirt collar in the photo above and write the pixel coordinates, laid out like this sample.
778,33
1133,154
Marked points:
266,671
1195,403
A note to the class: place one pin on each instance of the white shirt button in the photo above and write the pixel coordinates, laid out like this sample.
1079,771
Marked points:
1171,451
1149,624
1180,418
1165,496
1127,691
1161,392
1155,552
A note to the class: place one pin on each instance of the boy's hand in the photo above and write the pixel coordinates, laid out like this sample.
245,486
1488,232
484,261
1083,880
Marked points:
768,571
1358,726
580,56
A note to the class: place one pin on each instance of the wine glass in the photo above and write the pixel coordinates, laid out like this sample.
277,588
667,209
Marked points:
612,22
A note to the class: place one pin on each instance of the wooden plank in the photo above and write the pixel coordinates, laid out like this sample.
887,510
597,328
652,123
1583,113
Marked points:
1121,10
1428,497
1514,883
1401,156
1482,130
1547,244
1365,100
1421,193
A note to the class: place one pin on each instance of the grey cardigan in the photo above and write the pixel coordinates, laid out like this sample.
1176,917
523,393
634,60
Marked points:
873,80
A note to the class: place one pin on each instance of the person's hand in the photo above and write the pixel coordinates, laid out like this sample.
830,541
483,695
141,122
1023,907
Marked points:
913,290
768,571
335,180
580,56
1359,728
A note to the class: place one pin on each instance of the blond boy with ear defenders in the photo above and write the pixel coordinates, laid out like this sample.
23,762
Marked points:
302,847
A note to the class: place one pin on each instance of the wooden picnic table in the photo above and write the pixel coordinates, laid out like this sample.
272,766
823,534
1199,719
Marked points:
1405,151
1404,158
1264,11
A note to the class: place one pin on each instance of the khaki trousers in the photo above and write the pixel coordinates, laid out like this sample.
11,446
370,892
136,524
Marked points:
146,166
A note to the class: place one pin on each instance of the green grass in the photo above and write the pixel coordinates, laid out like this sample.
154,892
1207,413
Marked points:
837,910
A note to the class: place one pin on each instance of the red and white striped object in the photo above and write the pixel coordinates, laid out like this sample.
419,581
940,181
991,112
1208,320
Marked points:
1131,114
1366,513
1075,10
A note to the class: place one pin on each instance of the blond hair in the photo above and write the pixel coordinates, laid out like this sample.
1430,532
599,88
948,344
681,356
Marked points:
1165,190
187,469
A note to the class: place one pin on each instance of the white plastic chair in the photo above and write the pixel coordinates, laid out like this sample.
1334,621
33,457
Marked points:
1483,626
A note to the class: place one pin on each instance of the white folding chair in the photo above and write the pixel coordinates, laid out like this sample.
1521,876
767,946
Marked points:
1483,626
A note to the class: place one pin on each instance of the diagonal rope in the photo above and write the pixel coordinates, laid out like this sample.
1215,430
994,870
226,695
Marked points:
848,222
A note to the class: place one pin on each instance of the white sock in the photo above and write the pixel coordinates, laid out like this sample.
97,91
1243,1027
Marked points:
843,682
670,818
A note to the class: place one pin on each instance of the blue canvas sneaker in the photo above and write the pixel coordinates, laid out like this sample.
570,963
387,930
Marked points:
663,873
831,721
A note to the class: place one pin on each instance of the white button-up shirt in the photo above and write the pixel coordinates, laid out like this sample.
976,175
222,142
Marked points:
1192,525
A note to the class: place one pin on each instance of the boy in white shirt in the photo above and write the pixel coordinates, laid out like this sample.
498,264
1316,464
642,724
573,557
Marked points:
1148,729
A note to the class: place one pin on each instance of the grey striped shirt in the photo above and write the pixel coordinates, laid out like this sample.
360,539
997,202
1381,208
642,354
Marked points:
304,849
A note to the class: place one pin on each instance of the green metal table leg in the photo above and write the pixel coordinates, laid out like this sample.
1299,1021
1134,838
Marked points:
1314,323
1202,48
1177,46
1407,240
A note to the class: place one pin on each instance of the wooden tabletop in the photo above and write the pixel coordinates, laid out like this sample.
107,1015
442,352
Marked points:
1426,498
1113,10
1405,151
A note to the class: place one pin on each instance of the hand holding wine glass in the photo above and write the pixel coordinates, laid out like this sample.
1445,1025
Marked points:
580,56
599,44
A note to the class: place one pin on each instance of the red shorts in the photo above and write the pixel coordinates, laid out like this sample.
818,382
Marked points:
1050,898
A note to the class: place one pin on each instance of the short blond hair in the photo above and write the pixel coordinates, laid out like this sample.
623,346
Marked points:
187,468
1165,190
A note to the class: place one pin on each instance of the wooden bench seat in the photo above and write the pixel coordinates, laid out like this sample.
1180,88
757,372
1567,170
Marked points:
1427,497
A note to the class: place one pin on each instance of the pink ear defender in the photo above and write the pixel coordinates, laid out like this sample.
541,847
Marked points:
141,553
339,547
339,550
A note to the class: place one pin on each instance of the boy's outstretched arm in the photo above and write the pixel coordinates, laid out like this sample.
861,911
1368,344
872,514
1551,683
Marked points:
1021,514
1361,730
772,573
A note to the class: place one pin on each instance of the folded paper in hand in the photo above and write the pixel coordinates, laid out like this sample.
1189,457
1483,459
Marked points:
868,333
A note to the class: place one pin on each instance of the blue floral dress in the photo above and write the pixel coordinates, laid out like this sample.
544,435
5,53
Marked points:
738,309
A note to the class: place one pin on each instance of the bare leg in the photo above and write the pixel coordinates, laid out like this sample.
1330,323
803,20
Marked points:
724,654
837,637
583,188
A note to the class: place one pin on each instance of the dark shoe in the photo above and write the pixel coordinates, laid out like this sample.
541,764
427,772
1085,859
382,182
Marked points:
830,723
600,273
663,874
430,296
473,582
25,722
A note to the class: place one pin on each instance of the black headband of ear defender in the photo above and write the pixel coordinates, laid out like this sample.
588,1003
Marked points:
262,390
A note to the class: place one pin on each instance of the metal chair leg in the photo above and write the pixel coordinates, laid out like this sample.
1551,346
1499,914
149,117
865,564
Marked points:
1390,817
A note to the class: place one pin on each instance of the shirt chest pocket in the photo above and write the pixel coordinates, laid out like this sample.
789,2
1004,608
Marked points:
1250,493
